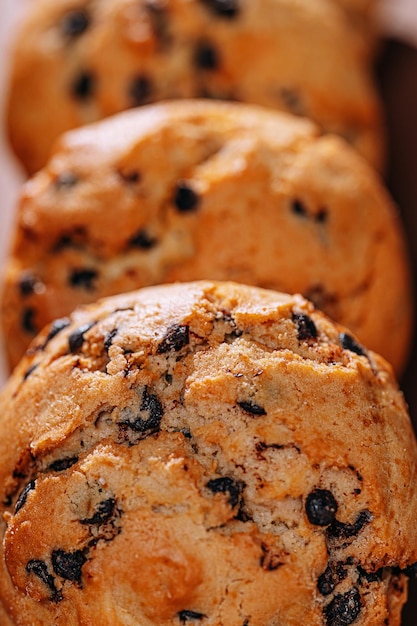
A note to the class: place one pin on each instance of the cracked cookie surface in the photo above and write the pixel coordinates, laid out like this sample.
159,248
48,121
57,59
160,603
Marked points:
205,453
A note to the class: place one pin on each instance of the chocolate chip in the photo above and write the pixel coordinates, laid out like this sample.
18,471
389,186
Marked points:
299,208
332,576
230,486
140,90
151,425
40,569
321,507
142,240
206,56
30,370
187,616
251,407
185,198
321,216
56,328
343,609
349,343
23,495
68,565
306,328
62,464
175,338
104,511
75,23
27,284
339,530
292,101
131,178
83,278
370,577
65,180
27,321
223,8
109,339
83,86
76,338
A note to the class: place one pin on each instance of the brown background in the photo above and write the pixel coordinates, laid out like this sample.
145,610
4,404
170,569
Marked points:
397,77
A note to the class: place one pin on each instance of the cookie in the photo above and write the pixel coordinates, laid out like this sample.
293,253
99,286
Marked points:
77,61
202,189
205,453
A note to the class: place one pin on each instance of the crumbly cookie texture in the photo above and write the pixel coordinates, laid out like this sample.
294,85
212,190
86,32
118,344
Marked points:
193,190
205,453
77,61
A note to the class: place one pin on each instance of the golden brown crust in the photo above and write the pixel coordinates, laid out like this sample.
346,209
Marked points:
206,453
199,189
70,70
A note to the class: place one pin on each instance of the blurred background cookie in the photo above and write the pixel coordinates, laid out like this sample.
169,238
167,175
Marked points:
204,189
204,446
76,61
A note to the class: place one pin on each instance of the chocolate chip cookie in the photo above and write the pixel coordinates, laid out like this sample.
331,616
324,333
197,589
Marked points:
77,61
205,453
202,189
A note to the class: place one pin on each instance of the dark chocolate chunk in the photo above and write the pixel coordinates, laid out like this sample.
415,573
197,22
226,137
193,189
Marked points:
292,101
223,8
140,90
252,407
151,425
75,23
30,370
143,240
331,577
27,284
230,486
83,86
62,464
65,180
27,321
185,198
370,577
206,56
40,569
339,530
306,328
321,216
83,278
343,609
56,328
349,343
76,338
23,495
109,338
68,565
104,511
299,208
175,338
187,616
321,507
